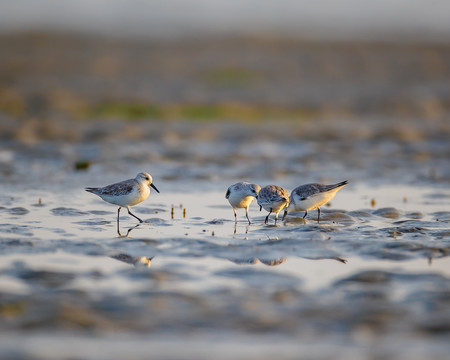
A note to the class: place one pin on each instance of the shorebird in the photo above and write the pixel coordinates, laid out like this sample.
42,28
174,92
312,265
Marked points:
311,197
241,195
273,198
126,193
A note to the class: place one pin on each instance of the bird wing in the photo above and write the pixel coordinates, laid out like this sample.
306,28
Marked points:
279,197
272,196
306,191
121,188
309,190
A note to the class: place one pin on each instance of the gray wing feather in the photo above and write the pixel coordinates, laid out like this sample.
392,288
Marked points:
305,191
272,193
308,190
120,188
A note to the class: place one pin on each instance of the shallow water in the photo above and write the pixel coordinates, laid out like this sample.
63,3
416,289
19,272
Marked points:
374,269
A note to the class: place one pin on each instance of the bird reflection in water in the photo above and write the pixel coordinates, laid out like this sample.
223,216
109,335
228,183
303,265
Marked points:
235,229
254,260
138,261
128,231
277,261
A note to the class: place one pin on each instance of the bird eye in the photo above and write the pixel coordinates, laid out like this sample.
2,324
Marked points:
146,178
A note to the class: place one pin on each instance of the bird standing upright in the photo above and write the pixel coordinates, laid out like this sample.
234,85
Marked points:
126,193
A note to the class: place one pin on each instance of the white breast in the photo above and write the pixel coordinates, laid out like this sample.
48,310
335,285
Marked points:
130,199
274,206
237,200
315,201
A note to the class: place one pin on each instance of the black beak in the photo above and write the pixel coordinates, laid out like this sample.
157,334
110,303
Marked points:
154,187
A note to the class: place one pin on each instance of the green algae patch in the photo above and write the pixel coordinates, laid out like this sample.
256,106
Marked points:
230,77
132,111
125,110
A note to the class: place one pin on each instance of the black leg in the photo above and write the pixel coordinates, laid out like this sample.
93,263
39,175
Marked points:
285,213
276,218
235,216
267,217
318,215
246,214
118,213
129,212
306,213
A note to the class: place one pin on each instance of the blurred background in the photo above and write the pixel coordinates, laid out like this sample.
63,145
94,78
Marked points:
286,72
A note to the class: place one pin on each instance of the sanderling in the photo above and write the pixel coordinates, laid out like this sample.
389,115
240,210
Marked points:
126,193
312,196
273,198
240,195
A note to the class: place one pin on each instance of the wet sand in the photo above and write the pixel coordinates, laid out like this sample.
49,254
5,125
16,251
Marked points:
366,280
370,280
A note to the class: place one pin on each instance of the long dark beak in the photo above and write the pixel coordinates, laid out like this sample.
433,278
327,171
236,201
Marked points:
154,187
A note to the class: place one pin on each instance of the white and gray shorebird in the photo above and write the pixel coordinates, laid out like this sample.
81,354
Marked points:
312,196
273,198
126,193
241,195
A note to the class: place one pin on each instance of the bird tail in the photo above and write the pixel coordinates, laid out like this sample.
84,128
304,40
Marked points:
326,188
334,186
345,182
